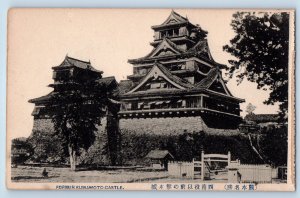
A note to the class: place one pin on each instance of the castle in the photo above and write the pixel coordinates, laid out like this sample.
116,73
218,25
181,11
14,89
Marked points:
177,86
179,79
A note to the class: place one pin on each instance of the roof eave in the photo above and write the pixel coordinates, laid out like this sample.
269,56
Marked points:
240,100
163,26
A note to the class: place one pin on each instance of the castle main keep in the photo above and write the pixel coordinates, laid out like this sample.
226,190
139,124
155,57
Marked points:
178,79
177,87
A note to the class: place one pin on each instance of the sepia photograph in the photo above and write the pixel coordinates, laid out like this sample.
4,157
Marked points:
151,99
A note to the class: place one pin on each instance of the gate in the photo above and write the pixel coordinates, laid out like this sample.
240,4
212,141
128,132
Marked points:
206,163
201,168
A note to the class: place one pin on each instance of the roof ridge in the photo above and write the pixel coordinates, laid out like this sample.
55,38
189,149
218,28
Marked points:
173,44
199,43
77,63
44,97
178,80
109,77
68,57
205,82
178,15
202,41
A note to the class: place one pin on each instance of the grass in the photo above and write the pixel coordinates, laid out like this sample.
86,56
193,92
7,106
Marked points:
34,175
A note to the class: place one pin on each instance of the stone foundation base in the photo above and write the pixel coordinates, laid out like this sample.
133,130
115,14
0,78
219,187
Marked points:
137,138
171,126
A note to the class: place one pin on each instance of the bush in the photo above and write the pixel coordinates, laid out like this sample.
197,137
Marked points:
47,148
21,150
274,145
186,146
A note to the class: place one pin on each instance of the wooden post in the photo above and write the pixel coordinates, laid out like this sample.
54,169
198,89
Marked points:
229,158
202,165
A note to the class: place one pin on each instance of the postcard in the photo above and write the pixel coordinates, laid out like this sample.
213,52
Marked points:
151,99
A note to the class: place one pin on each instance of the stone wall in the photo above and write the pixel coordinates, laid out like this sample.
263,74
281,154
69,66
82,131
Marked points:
97,153
171,126
42,136
140,136
43,125
136,138
162,126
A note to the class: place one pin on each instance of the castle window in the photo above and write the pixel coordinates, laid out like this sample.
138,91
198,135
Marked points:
182,66
169,33
155,85
143,71
128,106
151,105
140,105
175,67
176,32
61,75
146,106
193,102
183,103
134,106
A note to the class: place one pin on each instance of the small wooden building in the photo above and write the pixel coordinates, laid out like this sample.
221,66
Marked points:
263,119
159,158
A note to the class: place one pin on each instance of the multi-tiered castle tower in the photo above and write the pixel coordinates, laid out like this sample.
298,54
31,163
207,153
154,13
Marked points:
179,78
177,87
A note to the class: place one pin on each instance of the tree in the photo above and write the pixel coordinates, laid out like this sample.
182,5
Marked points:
274,145
47,148
21,150
261,49
77,113
250,108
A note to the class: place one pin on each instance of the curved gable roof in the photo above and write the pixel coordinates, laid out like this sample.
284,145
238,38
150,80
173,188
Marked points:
159,70
73,62
164,44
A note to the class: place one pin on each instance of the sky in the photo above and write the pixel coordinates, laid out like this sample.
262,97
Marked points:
39,39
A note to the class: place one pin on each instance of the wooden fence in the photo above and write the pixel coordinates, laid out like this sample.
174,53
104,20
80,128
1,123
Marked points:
245,173
180,169
251,173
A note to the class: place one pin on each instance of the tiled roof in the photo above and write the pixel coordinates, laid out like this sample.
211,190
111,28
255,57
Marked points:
125,86
174,78
178,16
158,154
156,92
208,80
173,45
173,15
259,118
107,80
201,48
42,98
69,62
168,41
202,86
